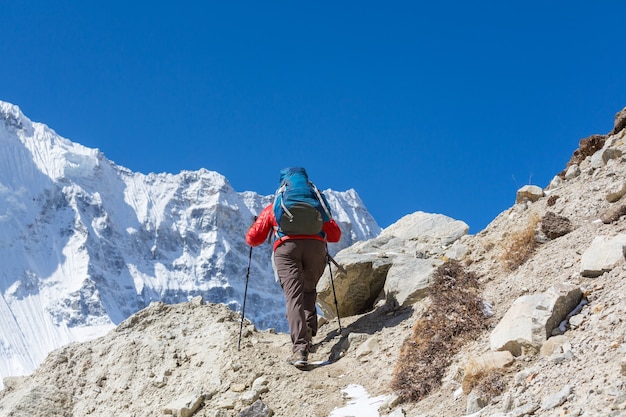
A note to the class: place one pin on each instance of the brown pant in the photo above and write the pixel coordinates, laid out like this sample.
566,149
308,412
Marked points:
300,264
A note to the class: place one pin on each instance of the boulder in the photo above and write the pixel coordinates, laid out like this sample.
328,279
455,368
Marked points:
357,288
602,255
396,265
434,229
604,155
530,193
553,225
530,320
408,279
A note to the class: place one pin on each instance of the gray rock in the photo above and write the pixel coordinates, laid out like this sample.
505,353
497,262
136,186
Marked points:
613,214
616,193
435,229
397,265
258,409
524,410
475,402
357,289
602,255
408,279
572,172
184,406
556,399
601,157
528,193
531,318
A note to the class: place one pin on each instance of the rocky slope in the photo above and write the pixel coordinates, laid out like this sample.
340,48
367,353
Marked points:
184,360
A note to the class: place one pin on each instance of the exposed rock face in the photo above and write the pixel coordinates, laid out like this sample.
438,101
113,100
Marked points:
397,265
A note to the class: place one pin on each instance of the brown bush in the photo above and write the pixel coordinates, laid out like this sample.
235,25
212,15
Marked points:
455,316
490,383
520,245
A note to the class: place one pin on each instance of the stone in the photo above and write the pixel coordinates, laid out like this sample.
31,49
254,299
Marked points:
258,409
185,406
238,387
602,255
261,385
435,229
572,172
613,214
249,397
524,410
530,320
528,193
616,192
601,157
556,399
587,147
357,288
554,226
370,346
414,246
408,280
553,345
475,402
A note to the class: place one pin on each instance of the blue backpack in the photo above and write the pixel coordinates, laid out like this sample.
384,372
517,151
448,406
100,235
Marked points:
299,208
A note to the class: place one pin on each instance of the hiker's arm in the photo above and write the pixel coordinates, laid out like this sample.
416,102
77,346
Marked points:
261,227
332,230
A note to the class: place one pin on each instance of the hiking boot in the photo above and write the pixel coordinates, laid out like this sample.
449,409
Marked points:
299,359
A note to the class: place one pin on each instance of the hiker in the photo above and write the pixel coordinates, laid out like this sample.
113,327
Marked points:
300,251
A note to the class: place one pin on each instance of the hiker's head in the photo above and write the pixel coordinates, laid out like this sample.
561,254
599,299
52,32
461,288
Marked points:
288,172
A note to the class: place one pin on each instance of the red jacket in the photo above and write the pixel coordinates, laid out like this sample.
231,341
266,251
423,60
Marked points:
266,222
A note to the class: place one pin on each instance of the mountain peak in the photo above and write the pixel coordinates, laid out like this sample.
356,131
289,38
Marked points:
85,243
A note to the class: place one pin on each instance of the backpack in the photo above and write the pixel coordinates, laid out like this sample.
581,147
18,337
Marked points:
299,208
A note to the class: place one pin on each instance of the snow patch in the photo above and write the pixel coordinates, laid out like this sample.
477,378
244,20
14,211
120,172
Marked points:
360,404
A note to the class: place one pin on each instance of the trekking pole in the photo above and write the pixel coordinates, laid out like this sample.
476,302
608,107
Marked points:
332,283
245,293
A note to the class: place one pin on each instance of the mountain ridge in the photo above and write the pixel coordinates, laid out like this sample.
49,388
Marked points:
86,243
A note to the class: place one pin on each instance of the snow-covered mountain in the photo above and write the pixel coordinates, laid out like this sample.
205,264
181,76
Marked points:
84,243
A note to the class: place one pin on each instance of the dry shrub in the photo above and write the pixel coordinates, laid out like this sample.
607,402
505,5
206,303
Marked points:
520,245
489,383
488,377
455,316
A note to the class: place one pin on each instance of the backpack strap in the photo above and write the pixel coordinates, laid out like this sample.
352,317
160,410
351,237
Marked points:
280,192
321,200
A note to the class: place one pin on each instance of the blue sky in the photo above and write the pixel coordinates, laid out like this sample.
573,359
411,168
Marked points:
445,107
